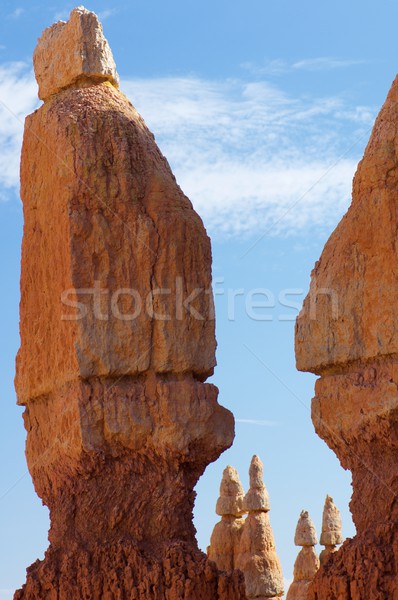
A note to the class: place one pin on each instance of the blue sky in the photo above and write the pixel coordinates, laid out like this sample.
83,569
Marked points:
263,110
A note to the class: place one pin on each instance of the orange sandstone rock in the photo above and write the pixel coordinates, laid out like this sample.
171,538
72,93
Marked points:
331,535
68,53
257,557
307,561
305,531
346,333
232,494
115,262
117,339
257,498
225,538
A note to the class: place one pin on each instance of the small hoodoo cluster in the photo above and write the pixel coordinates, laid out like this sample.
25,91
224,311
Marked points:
247,543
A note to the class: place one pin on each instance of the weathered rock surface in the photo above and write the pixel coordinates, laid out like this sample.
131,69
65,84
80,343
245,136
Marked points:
347,334
305,568
306,565
232,494
225,542
114,205
68,53
257,557
117,339
225,538
257,497
305,534
307,561
181,572
331,535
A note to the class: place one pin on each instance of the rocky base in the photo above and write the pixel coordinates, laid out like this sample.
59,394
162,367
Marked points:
365,568
121,570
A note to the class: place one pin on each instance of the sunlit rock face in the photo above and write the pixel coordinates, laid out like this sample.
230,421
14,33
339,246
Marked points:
347,333
257,557
226,535
307,562
117,340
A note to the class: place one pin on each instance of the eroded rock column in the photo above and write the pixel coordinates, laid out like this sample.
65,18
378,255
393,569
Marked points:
257,557
117,340
307,562
331,535
347,334
225,538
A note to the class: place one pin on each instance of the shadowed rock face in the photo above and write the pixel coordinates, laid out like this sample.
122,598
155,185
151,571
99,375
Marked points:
117,339
347,334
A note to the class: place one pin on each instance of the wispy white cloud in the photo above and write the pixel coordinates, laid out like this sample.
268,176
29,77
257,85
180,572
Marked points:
252,158
325,63
282,67
17,13
18,97
105,14
261,423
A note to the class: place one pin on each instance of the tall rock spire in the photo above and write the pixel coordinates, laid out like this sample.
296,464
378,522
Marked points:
117,339
225,539
307,561
257,557
347,334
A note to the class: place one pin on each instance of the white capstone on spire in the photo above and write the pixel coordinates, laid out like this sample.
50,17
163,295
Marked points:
73,51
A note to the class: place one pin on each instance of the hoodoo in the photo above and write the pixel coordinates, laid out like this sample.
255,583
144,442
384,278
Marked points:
307,561
347,334
331,535
117,340
225,539
257,557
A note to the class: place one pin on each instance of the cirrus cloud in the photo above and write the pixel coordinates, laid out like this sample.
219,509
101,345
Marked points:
252,158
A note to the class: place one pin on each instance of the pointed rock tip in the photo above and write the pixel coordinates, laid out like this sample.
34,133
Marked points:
257,498
256,472
331,524
71,51
230,476
305,531
232,494
80,9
